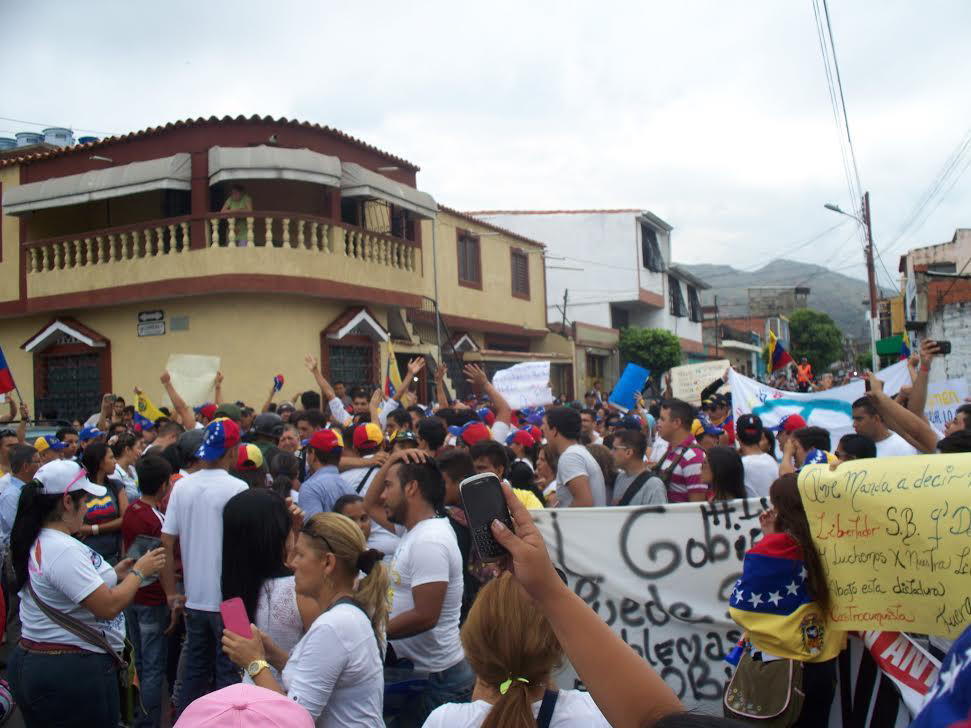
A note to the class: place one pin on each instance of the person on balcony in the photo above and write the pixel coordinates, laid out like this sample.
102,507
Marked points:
238,201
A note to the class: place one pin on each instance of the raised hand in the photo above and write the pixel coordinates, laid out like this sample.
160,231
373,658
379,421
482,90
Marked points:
475,375
310,361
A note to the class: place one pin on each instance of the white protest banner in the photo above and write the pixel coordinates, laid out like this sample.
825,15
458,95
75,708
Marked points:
525,385
193,377
943,399
661,576
688,380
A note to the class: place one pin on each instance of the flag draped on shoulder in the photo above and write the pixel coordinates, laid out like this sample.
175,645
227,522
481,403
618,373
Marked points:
778,356
392,378
772,602
146,413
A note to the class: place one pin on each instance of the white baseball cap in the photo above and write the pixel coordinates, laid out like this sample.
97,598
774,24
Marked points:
65,476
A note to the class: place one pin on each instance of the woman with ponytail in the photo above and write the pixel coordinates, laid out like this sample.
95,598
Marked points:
64,670
335,671
513,652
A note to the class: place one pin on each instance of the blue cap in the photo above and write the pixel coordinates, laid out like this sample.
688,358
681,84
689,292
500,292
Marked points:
220,435
89,433
630,422
815,456
710,428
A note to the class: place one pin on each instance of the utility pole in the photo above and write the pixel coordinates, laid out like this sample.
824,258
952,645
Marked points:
872,279
717,328
563,329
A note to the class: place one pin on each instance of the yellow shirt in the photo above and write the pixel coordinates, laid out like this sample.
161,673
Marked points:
527,498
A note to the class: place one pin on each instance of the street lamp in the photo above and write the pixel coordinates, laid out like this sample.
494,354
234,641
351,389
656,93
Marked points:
871,273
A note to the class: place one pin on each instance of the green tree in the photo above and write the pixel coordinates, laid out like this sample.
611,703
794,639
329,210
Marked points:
815,336
864,361
657,350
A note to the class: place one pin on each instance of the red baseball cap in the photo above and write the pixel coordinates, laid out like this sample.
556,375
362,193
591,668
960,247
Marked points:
208,410
475,432
521,437
790,423
326,441
367,436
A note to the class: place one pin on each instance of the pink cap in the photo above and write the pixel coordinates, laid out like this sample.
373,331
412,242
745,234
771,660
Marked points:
244,706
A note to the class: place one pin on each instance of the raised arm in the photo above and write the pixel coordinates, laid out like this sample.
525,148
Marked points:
269,400
414,366
628,692
22,427
310,361
441,395
186,416
476,376
104,417
917,401
218,394
913,428
9,417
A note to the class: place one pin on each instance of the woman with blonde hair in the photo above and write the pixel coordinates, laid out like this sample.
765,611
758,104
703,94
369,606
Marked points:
513,652
335,671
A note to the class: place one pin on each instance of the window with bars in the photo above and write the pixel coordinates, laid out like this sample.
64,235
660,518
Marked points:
469,259
651,250
353,365
520,273
676,298
694,305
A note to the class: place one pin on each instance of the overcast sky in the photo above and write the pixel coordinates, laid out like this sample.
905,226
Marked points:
713,115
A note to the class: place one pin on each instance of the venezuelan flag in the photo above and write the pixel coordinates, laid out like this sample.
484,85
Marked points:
146,413
773,604
6,378
904,349
778,356
392,377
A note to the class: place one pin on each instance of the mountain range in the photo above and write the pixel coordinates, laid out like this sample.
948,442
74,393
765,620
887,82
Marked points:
842,297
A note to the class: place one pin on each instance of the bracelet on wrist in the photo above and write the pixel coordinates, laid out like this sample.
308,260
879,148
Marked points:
140,575
95,528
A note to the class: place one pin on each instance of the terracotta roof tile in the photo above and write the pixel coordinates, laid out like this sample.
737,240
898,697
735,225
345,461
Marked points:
469,216
554,212
106,141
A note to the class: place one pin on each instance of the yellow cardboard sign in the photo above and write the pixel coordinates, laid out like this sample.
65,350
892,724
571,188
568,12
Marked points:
894,535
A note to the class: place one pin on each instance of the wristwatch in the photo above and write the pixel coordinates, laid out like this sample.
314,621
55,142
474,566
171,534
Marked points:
256,667
140,575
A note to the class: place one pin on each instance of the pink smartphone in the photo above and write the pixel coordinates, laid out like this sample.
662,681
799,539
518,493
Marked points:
235,618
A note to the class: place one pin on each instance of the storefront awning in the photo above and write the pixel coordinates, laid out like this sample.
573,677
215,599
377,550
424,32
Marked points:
359,182
890,346
263,162
167,173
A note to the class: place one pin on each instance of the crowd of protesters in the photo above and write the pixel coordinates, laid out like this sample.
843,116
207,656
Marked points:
337,520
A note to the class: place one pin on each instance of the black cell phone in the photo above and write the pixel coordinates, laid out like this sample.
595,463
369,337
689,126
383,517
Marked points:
866,384
141,546
943,348
484,502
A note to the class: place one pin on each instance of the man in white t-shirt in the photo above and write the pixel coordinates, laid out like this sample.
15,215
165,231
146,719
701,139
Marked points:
194,519
760,469
867,421
368,440
426,582
579,480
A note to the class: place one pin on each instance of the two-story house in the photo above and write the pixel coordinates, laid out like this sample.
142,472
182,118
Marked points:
606,270
116,253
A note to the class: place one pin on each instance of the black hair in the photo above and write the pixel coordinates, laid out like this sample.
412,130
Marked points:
680,410
327,457
400,417
170,428
564,420
964,409
92,457
255,478
588,411
314,417
359,392
457,464
119,398
284,467
752,435
429,479
255,529
21,455
125,440
419,410
65,431
492,451
634,439
769,437
813,437
310,400
153,472
959,441
456,417
727,472
345,500
865,404
432,430
859,447
34,509
173,456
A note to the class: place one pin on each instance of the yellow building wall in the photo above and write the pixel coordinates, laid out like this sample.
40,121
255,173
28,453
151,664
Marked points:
257,337
495,301
10,233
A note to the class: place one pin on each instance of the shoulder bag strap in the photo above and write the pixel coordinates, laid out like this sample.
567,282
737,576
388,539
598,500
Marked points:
665,475
632,489
348,600
76,627
360,486
546,709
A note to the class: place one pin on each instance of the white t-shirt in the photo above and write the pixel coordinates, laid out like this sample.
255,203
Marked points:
429,553
64,572
658,449
761,471
338,412
381,538
500,431
335,671
575,461
893,445
573,709
195,515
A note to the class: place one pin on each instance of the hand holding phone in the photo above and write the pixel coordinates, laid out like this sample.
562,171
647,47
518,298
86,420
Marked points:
484,502
235,619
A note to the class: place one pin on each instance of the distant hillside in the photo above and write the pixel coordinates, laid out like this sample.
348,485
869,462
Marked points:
838,295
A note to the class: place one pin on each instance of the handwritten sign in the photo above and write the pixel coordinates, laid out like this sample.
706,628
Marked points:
894,535
688,380
943,399
661,576
193,377
525,385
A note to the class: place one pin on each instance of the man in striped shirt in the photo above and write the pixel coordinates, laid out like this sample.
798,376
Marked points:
681,466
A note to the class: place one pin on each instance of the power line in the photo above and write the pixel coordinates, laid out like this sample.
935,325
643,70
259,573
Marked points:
38,123
839,83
